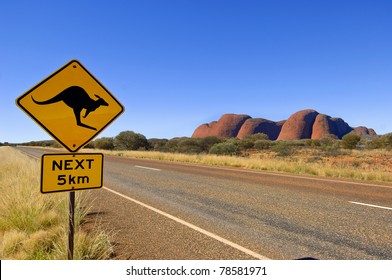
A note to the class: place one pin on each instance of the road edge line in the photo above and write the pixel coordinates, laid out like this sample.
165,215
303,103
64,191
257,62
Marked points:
148,168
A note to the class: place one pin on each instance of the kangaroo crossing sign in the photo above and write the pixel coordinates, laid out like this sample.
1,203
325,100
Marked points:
71,105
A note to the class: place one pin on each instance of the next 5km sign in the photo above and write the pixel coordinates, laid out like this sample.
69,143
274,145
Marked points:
71,172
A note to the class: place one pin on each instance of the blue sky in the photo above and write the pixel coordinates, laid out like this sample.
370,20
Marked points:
176,64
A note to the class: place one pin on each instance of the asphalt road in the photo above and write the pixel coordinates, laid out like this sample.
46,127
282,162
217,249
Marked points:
162,210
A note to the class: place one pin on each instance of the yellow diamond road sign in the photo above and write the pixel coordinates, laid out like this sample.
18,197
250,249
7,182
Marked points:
71,105
71,172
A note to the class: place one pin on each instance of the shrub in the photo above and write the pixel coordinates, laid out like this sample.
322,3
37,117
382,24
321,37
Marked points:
189,146
249,141
263,144
332,150
387,141
56,145
209,141
350,141
227,148
104,143
156,144
376,143
172,145
257,136
89,145
329,140
129,140
312,142
283,149
246,143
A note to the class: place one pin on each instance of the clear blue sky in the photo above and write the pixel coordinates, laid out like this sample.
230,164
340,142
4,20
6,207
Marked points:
175,64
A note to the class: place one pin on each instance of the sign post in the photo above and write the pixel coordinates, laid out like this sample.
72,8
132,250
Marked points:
73,107
70,172
71,230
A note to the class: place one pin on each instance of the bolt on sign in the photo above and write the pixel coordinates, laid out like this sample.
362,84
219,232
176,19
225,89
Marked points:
71,172
71,105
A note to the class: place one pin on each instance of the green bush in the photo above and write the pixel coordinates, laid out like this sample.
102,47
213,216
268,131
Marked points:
156,144
104,143
350,141
229,148
380,142
312,142
185,144
172,145
332,150
283,149
189,146
209,141
246,144
89,145
249,141
129,140
329,140
376,143
263,144
387,141
257,136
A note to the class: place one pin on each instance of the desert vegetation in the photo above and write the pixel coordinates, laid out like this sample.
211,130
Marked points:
367,158
33,226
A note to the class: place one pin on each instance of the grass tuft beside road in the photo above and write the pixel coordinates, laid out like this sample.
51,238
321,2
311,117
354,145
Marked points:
34,226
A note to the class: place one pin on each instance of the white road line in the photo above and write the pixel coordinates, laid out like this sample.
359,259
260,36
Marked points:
192,226
371,205
149,168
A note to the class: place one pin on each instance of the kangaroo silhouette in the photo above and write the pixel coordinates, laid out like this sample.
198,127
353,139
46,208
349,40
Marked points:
78,99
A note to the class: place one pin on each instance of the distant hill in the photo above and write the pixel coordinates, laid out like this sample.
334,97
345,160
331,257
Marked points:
305,124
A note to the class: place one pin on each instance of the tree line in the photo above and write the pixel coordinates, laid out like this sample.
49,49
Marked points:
129,140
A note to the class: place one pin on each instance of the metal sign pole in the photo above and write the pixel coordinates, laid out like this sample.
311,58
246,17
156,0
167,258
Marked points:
71,225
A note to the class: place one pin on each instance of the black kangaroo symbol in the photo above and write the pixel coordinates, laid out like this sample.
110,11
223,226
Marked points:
78,99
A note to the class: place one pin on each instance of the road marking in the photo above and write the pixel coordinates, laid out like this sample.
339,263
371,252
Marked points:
370,205
192,226
149,168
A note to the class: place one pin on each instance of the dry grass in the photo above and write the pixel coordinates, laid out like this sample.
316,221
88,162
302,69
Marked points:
368,165
34,225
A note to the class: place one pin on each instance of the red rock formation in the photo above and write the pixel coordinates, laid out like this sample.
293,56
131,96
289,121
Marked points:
342,128
372,132
204,130
253,126
304,124
323,126
298,126
229,125
364,131
281,123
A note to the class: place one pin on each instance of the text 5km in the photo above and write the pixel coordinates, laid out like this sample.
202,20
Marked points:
72,180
